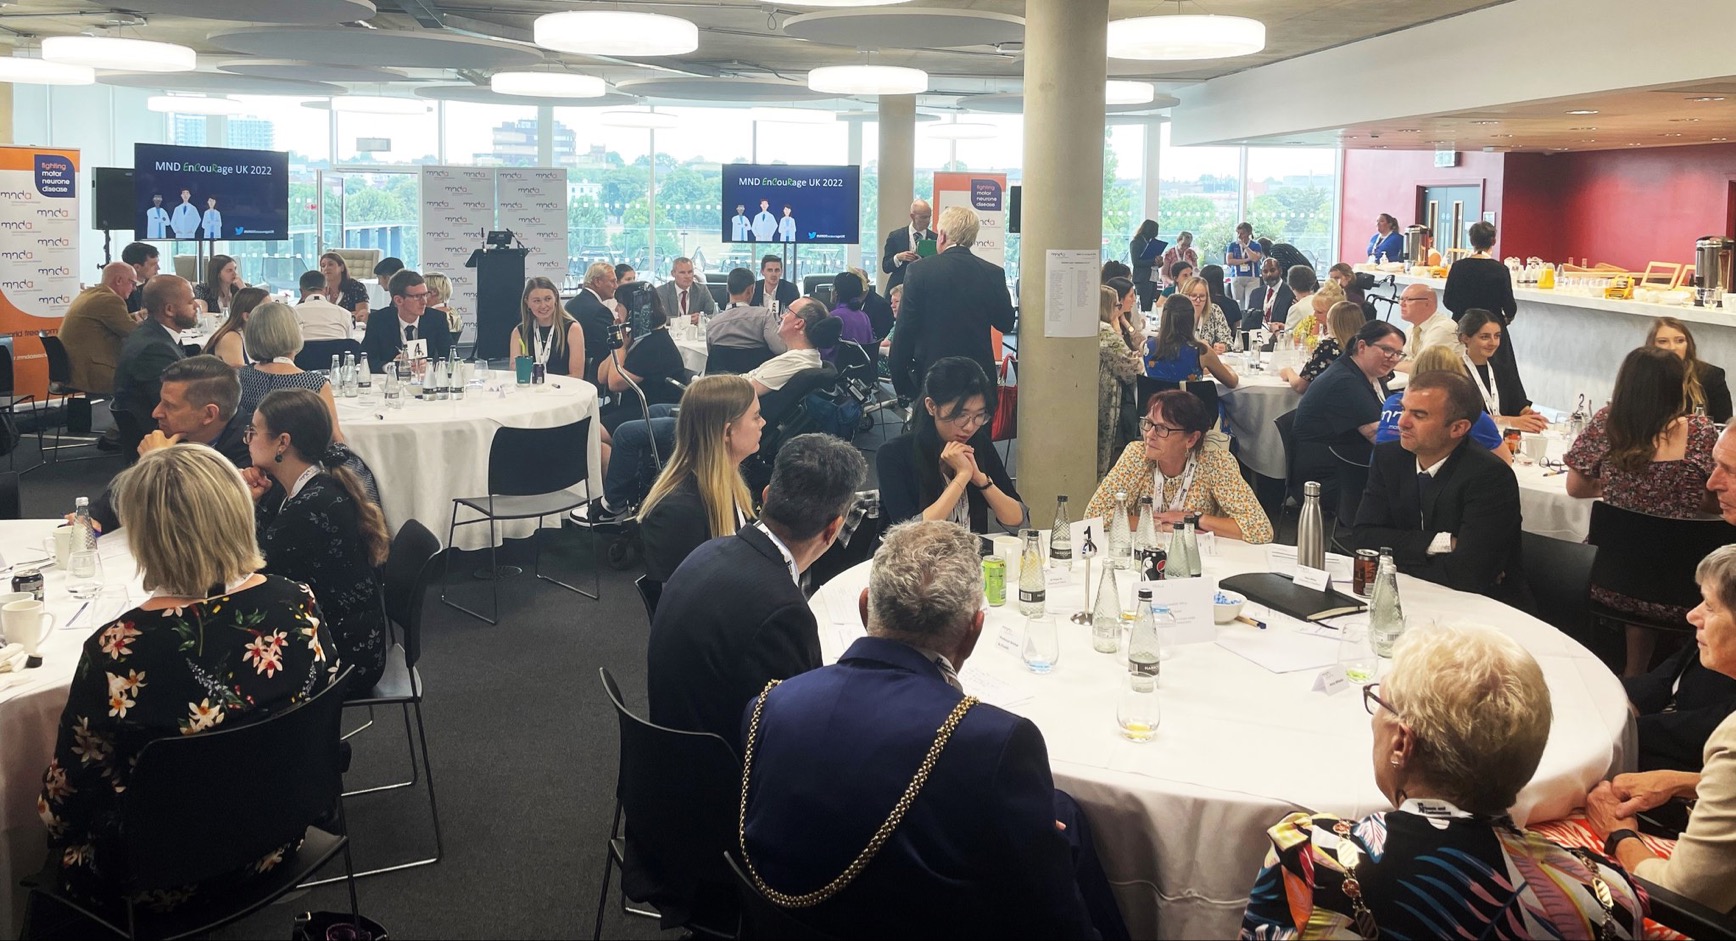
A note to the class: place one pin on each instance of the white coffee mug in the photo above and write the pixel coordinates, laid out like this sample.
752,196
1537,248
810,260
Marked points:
7,598
25,622
62,545
1535,447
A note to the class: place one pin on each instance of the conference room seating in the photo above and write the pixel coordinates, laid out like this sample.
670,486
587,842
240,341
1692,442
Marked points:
1559,573
763,919
317,355
1652,559
9,402
1685,915
75,402
723,359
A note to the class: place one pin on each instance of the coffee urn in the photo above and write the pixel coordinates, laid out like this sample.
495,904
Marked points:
1712,258
1414,254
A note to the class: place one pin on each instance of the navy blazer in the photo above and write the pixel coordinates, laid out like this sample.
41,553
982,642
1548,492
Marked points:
897,243
145,353
384,336
730,618
977,854
951,300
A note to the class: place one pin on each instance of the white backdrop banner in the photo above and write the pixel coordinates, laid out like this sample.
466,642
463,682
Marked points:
532,202
457,212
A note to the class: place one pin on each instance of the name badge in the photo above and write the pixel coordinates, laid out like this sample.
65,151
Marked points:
1331,680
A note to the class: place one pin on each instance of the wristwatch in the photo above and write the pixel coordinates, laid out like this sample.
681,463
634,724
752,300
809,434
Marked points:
1614,839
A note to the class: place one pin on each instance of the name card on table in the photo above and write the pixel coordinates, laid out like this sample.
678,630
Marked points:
1089,538
1190,601
1317,579
1282,561
1331,680
416,349
1007,638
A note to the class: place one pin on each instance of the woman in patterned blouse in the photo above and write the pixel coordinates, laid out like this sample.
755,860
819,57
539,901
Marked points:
1459,727
1342,322
214,646
1118,369
316,524
1209,321
1172,467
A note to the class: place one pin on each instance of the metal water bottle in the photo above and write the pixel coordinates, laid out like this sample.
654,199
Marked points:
1311,529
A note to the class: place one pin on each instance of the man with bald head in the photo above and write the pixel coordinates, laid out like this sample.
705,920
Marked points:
901,243
1428,326
149,350
95,325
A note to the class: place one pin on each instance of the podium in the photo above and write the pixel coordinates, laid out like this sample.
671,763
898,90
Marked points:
499,286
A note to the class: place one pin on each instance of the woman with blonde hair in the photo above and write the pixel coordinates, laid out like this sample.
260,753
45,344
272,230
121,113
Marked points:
1342,319
1117,375
701,495
439,295
229,343
1209,321
220,645
1439,358
546,333
1704,385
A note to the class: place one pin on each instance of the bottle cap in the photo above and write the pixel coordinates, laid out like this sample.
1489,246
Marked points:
1061,499
1145,595
1311,489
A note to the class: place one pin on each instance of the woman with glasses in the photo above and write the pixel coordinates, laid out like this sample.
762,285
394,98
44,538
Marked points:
1459,728
1172,466
1176,354
1209,320
948,468
1340,412
1496,377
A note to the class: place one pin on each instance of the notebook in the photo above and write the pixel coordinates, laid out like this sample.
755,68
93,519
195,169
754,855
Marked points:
1279,593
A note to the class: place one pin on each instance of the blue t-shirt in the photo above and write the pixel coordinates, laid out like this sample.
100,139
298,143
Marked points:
1241,265
1183,368
1483,430
1392,246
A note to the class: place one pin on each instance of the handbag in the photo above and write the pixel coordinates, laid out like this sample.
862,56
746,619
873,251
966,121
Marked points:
1006,422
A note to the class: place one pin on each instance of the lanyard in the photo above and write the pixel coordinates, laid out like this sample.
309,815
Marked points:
544,342
1491,390
1158,481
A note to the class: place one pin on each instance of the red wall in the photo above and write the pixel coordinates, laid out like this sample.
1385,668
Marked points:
1377,181
1623,207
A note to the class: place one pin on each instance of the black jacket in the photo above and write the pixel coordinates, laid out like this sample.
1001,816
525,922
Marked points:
145,353
951,300
677,525
385,336
730,619
594,319
897,242
1675,720
1255,315
1717,390
901,488
1473,496
788,294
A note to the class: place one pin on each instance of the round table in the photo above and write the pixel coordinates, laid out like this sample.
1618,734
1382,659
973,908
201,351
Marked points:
428,453
690,340
31,701
1544,504
1180,822
1257,400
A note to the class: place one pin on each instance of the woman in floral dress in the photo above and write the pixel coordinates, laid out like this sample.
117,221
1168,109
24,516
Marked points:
214,646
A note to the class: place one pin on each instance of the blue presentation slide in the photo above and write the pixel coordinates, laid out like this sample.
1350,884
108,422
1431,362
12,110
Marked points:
779,203
210,193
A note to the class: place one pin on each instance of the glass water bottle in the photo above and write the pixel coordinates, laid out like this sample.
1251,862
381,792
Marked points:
1061,536
1120,536
1385,614
1106,614
1032,592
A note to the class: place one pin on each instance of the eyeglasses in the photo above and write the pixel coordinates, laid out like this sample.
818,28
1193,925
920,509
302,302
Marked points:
247,435
1147,426
1370,699
1388,351
970,420
1411,300
415,297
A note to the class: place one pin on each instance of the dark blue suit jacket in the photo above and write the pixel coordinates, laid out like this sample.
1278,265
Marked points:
977,855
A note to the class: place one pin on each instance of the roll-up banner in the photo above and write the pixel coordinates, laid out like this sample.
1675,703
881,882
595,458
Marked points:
532,202
39,234
457,212
987,194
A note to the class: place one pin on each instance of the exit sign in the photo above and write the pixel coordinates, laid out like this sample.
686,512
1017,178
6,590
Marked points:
1446,158
383,144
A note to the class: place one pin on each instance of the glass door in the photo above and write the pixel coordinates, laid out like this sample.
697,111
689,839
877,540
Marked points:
1449,212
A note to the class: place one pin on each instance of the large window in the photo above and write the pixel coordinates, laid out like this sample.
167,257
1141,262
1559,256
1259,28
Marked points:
1200,192
407,138
1123,168
1290,195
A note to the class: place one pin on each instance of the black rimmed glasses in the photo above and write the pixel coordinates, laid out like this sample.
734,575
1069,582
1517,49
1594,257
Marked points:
1371,698
1147,426
1388,351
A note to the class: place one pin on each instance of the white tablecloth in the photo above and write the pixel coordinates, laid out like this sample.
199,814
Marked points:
31,703
427,453
1180,822
1543,499
1258,399
690,340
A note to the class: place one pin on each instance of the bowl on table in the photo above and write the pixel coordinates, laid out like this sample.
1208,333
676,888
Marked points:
1225,607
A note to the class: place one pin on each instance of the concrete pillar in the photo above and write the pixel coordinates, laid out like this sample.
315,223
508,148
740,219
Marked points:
6,114
1065,68
897,172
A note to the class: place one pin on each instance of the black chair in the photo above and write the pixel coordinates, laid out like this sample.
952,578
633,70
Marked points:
316,355
1559,573
9,402
724,359
11,506
650,592
1686,915
763,919
72,400
681,792
780,407
812,284
129,431
1203,389
408,572
1286,425
1650,558
531,475
192,813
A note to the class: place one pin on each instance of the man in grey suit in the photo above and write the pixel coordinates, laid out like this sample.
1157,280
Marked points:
683,295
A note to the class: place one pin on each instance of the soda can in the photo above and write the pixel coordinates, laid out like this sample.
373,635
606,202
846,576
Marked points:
995,580
1362,575
29,580
1152,561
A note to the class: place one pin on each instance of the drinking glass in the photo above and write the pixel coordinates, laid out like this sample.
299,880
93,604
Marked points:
1356,653
1137,712
110,602
84,573
1042,647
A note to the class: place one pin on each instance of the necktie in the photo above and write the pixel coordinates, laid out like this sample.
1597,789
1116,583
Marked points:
409,332
684,303
1424,481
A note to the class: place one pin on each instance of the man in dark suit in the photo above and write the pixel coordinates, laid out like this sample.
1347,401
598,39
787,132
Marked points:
592,309
951,301
1271,300
148,350
981,851
733,615
402,321
1447,506
900,250
200,395
772,280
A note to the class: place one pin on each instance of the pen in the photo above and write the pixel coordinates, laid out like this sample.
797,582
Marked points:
76,614
1248,620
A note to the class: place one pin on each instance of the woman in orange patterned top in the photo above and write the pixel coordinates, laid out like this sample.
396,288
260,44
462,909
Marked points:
1172,467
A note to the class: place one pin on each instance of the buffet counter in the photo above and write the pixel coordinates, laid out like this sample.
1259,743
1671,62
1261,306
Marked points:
1568,344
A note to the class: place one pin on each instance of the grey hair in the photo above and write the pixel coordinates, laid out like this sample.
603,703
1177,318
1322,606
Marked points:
814,482
926,583
272,331
1719,571
683,260
598,271
959,225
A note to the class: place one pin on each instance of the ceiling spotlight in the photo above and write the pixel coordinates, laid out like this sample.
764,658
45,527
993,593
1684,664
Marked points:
792,115
1185,36
638,118
615,33
193,104
868,80
1410,130
112,52
1582,128
1128,93
378,104
1684,120
1583,111
21,71
547,84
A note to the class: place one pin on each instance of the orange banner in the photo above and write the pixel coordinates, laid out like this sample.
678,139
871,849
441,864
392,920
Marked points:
39,232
